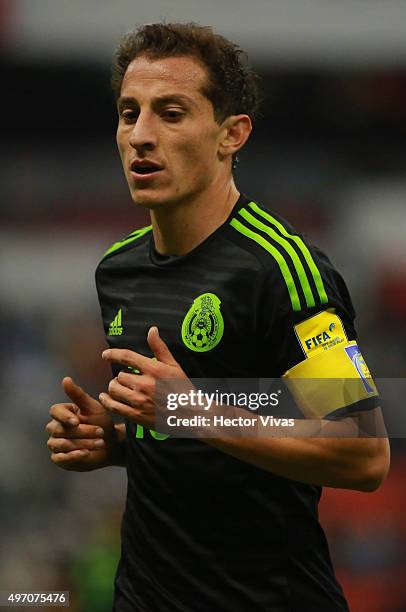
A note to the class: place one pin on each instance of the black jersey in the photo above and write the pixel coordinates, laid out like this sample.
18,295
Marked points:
203,531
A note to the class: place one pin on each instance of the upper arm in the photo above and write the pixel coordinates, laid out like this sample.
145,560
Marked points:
317,352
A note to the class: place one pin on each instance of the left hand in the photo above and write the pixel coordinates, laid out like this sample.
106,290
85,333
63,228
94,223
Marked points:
133,396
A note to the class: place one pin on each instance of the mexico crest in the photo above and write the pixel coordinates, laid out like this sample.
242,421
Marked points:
203,325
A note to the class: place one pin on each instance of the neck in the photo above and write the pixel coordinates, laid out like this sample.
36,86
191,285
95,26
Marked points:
180,228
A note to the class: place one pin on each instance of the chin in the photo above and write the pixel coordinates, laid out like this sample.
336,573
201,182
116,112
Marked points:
151,200
147,200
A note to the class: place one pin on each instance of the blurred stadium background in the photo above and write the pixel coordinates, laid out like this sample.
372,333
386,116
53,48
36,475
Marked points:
329,155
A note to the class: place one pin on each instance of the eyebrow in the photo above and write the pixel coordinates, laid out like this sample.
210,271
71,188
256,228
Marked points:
160,100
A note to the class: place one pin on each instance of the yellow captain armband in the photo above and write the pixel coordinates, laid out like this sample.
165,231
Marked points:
331,380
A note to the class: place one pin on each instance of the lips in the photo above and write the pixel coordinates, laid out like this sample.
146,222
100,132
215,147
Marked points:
144,166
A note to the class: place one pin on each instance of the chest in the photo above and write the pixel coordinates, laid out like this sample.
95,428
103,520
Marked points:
206,316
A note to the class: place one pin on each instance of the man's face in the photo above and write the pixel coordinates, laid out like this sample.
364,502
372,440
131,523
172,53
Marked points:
167,134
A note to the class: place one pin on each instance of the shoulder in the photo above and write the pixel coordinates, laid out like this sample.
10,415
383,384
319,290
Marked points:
133,239
300,293
297,275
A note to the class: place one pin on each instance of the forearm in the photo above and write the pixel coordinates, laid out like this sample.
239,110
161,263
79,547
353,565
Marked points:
319,452
343,463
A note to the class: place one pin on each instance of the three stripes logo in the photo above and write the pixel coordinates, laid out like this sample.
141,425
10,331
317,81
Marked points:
116,328
298,268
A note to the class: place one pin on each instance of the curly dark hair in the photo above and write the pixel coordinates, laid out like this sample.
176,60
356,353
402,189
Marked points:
232,88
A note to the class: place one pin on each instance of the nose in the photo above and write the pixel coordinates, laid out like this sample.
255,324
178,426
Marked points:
143,135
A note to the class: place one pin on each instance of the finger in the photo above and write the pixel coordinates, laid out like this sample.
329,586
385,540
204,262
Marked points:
129,380
159,348
124,394
63,445
141,382
58,430
117,407
69,460
65,413
130,359
82,399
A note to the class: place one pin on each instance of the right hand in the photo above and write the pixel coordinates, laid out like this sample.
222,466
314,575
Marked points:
82,434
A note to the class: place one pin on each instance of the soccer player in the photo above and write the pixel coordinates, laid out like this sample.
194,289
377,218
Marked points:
216,286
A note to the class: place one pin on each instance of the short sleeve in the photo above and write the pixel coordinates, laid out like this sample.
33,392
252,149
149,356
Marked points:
315,344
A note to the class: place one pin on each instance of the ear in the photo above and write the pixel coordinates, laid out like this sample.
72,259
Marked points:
236,130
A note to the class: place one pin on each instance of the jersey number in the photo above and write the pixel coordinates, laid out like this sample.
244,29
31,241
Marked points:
155,434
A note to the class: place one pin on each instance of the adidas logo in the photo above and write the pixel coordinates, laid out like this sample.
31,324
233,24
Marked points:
116,328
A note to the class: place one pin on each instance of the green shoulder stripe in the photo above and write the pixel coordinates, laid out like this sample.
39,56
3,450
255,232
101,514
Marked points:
318,281
136,234
288,248
283,266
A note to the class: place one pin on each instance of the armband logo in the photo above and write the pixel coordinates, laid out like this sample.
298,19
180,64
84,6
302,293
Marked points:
320,333
203,325
361,367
